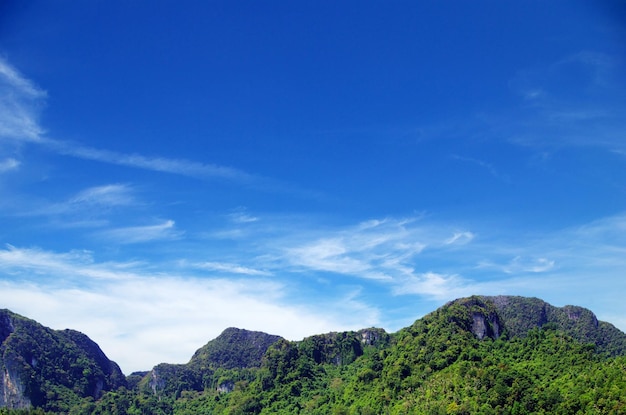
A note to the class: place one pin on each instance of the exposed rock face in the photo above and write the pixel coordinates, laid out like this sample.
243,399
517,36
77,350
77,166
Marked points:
226,386
483,326
12,390
341,348
374,336
481,317
168,378
11,386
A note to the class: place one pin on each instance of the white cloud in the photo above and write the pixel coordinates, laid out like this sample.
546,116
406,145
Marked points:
241,216
160,164
66,266
89,208
138,234
230,268
107,195
9,164
439,286
10,76
20,101
328,255
386,250
459,238
519,265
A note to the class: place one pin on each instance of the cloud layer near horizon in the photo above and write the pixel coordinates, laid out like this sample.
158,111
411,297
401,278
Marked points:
172,308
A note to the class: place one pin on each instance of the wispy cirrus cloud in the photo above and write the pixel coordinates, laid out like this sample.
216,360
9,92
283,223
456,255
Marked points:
88,206
386,250
20,103
240,215
483,164
160,164
460,238
575,101
439,262
9,164
165,230
230,268
107,195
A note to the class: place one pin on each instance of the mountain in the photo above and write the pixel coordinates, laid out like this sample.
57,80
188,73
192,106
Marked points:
233,349
488,355
521,314
51,369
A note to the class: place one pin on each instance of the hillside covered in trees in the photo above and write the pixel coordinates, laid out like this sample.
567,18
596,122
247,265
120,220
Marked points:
476,355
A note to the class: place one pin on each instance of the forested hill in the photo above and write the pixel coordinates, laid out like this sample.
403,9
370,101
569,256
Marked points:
488,355
521,314
52,369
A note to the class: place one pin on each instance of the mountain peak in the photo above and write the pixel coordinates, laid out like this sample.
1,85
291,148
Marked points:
234,348
522,314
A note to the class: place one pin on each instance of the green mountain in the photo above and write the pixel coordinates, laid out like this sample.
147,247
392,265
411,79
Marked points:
50,369
215,365
476,355
521,314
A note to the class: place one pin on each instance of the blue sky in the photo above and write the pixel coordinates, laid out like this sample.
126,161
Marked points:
168,170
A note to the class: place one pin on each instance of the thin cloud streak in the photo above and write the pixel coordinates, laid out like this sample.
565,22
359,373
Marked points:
591,115
106,195
85,207
20,101
159,164
141,234
230,268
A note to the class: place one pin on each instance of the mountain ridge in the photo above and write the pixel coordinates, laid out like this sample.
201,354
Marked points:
77,373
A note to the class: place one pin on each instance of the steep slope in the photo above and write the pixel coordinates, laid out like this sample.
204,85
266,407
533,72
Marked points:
49,368
521,314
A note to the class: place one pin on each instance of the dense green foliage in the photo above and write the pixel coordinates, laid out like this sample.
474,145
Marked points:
468,357
522,314
234,348
56,368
